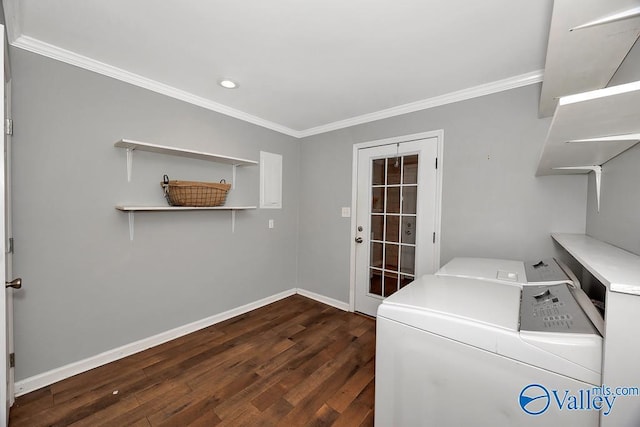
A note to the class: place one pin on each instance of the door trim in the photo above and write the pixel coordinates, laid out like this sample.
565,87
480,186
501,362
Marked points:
439,135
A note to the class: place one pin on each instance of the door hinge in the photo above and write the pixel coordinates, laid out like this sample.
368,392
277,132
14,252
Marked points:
436,163
8,126
10,248
434,237
12,360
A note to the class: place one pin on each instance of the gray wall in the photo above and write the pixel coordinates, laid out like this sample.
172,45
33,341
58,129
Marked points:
493,205
87,288
618,221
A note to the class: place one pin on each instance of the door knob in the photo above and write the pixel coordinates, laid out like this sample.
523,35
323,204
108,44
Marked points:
15,283
359,240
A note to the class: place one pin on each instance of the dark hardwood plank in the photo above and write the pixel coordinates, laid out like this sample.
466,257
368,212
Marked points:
294,362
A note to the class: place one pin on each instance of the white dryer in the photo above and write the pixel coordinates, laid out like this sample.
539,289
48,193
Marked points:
461,352
542,272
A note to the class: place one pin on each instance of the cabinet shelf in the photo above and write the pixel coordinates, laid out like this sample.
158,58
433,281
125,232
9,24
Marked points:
616,268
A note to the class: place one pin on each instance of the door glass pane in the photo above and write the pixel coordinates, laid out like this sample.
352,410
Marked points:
377,172
409,229
394,170
377,227
390,283
377,200
393,228
375,282
394,185
376,255
393,200
409,197
405,280
391,257
410,172
408,259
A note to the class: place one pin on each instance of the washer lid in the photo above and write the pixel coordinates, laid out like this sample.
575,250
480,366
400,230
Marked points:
485,315
498,270
470,300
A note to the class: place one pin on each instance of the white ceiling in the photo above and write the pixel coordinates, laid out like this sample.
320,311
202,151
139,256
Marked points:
304,67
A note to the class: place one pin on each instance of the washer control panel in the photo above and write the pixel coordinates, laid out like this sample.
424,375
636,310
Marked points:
553,308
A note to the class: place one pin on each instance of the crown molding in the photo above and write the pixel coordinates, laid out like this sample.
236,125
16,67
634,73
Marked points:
42,48
436,101
72,58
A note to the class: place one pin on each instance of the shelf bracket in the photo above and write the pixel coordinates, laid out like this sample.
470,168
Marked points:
597,171
129,163
131,218
233,220
233,176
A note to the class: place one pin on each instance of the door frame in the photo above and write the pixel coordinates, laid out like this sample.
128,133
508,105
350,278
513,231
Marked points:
439,135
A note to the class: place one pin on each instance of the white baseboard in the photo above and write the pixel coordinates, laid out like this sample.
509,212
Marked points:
325,300
46,378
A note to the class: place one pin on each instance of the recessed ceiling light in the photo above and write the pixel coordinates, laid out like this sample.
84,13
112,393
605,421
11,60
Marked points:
228,84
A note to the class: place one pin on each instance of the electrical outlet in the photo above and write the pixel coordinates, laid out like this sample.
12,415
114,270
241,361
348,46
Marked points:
346,212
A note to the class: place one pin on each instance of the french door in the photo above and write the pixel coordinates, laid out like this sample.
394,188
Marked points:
6,297
396,218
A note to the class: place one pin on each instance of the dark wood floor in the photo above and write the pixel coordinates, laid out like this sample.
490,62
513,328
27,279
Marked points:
295,362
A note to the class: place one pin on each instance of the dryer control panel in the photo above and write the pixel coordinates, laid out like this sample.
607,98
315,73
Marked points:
546,270
553,308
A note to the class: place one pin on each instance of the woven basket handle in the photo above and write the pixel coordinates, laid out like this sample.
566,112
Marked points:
165,187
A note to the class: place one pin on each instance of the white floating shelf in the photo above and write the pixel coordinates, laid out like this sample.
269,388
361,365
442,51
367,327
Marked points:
590,128
131,210
616,268
587,43
126,208
180,152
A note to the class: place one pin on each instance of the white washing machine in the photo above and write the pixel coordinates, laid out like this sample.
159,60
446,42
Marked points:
548,271
455,351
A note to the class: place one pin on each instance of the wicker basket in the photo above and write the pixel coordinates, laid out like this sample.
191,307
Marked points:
194,193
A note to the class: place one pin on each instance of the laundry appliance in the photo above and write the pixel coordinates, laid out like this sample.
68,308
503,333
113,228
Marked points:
455,351
546,271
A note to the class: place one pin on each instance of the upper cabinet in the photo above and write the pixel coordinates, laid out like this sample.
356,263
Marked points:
588,40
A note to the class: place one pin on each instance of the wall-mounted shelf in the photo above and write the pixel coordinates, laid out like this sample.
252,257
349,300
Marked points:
131,210
131,146
587,43
590,128
616,268
127,208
